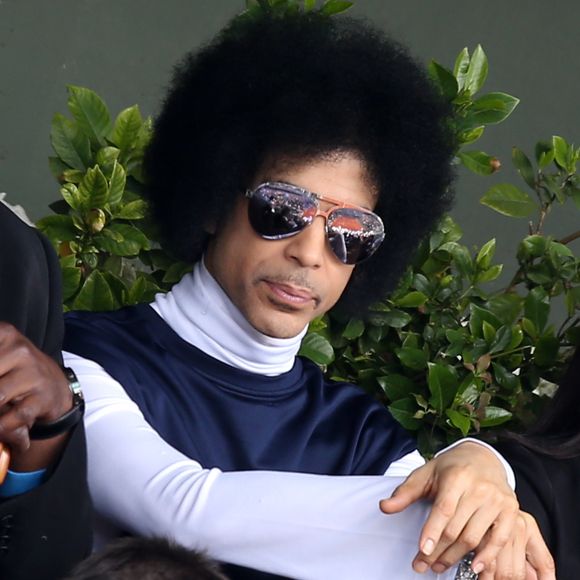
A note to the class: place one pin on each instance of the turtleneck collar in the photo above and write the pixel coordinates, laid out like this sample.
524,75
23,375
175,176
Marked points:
201,313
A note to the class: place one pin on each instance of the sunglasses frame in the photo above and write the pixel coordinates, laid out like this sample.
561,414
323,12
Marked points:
317,197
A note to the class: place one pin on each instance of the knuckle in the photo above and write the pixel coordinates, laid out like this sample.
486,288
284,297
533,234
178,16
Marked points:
449,535
445,506
470,541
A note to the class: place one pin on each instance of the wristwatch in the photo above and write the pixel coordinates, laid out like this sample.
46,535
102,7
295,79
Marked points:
69,419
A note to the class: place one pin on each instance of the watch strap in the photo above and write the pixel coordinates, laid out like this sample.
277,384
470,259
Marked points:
67,421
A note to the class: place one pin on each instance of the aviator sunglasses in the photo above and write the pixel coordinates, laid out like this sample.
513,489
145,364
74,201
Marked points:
279,210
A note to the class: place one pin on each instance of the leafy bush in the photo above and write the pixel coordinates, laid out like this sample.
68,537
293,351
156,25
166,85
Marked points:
448,355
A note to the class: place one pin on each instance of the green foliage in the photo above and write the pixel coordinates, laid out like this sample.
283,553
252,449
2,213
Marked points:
107,250
448,354
472,114
283,7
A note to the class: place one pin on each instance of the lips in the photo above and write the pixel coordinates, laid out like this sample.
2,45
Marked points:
290,294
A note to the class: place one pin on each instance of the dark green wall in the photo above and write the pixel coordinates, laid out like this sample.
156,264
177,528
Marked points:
125,49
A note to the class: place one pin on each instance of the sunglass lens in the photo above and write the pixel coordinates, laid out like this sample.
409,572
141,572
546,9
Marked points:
354,235
275,213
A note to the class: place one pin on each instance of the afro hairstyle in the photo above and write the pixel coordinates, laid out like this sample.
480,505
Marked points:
299,88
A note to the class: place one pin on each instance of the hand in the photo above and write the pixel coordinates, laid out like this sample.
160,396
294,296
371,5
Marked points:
471,500
32,388
524,557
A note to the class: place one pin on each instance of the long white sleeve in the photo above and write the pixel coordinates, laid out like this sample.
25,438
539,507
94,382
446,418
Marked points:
299,525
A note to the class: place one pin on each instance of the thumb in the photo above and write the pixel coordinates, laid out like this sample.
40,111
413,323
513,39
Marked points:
411,490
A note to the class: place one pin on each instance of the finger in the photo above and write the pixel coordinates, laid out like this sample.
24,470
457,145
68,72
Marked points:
15,423
13,384
519,551
531,573
537,552
464,532
415,487
4,462
499,536
443,510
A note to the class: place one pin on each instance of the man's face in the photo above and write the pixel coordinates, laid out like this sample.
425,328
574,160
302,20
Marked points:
281,285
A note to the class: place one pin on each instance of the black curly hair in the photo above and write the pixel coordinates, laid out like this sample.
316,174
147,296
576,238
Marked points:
302,87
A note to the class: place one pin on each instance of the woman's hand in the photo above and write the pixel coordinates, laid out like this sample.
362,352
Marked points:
472,501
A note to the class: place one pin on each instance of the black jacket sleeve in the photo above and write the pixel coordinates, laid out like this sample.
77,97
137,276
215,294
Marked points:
45,532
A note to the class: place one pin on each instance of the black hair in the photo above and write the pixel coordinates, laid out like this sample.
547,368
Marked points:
300,88
557,431
146,559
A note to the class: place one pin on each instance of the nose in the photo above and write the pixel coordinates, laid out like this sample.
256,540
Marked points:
308,248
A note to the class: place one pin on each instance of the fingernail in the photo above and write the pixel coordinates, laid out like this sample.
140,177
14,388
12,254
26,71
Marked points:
420,567
478,568
439,568
428,547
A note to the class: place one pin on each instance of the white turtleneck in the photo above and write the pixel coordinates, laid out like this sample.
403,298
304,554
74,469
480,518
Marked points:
202,314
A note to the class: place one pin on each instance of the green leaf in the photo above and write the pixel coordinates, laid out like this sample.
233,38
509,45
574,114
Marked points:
477,316
488,331
505,307
94,187
533,246
105,158
71,278
508,200
331,7
443,382
69,143
57,167
524,166
142,290
404,411
492,108
471,136
476,72
537,308
122,240
459,420
396,386
479,162
529,327
490,274
544,154
309,5
546,352
485,254
134,210
461,67
412,358
444,79
495,416
394,318
175,272
411,300
91,114
126,128
502,339
354,329
117,184
58,228
95,294
461,257
560,151
504,378
72,196
317,348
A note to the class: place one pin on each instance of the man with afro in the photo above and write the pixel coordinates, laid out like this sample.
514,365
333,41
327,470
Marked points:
296,163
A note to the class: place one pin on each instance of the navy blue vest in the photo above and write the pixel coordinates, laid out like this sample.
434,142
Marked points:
232,419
